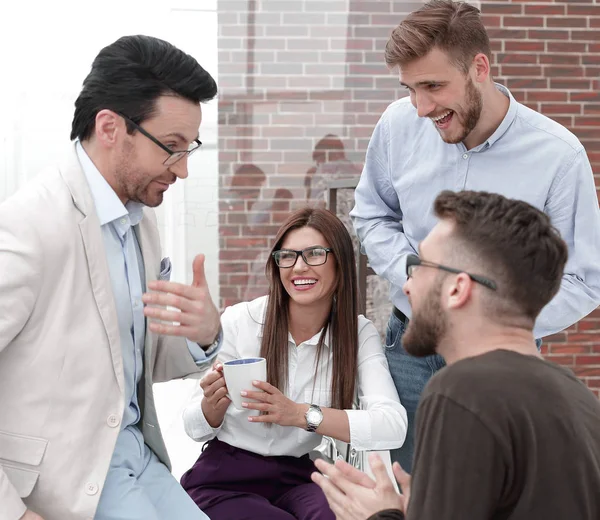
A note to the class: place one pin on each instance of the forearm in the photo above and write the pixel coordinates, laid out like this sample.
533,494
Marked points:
574,301
213,417
335,423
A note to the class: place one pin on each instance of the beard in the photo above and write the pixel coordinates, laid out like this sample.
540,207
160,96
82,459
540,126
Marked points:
426,326
135,183
469,116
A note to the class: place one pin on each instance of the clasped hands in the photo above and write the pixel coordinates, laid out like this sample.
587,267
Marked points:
276,407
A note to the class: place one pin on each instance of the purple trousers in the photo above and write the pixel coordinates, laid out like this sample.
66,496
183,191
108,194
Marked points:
229,483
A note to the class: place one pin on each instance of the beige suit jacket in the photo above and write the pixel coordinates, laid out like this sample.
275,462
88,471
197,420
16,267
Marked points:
61,367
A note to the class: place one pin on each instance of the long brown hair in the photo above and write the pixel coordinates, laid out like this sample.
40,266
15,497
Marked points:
342,322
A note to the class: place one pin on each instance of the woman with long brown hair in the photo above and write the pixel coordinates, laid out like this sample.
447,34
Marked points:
320,356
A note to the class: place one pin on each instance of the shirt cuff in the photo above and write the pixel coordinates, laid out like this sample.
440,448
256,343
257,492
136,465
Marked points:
202,356
360,430
196,425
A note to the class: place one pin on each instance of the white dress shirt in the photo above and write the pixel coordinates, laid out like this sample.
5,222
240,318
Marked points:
380,424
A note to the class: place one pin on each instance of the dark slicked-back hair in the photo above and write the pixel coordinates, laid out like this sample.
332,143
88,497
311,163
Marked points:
453,27
129,75
512,242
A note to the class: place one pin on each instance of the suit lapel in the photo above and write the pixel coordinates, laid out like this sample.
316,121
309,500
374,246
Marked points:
95,252
149,240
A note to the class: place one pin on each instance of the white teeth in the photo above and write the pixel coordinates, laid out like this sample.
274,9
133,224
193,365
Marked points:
441,117
304,282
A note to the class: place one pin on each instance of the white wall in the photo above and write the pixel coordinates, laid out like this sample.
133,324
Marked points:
46,49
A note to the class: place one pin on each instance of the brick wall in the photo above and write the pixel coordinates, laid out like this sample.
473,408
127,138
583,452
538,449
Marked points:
303,83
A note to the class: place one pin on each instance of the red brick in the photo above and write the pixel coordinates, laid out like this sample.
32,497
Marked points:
504,34
501,8
546,95
527,83
586,35
521,70
564,83
588,121
559,59
568,21
523,21
582,371
525,46
491,20
520,59
569,349
566,47
583,10
547,34
565,108
588,360
545,9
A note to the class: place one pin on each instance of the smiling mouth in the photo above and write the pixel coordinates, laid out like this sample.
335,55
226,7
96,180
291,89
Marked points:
443,118
304,282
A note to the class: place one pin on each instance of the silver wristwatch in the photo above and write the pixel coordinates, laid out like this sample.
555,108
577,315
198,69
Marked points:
314,418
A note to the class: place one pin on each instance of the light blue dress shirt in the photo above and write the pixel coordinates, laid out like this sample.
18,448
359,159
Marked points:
127,275
529,157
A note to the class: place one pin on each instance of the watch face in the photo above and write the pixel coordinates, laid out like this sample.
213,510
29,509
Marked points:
313,416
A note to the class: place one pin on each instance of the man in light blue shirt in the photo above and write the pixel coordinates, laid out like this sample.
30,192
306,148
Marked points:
88,317
459,130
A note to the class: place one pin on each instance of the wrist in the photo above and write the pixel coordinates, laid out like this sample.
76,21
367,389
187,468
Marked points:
301,409
213,420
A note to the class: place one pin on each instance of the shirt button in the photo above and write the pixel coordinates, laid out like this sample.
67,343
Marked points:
123,221
112,420
465,156
91,488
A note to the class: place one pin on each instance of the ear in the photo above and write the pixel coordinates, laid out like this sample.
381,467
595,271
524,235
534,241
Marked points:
459,292
481,67
109,126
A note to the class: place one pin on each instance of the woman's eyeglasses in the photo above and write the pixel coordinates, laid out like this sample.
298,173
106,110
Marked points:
315,255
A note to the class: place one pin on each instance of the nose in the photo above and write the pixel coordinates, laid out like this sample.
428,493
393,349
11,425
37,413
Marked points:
424,104
300,264
180,168
406,287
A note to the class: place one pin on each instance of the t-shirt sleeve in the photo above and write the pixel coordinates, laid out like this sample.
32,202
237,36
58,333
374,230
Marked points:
458,469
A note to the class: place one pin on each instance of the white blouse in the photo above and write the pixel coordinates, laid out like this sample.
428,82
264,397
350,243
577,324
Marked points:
380,424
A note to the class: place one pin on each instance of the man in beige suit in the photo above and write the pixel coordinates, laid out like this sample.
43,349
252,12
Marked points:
79,257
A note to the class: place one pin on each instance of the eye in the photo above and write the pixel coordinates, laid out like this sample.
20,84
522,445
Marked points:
172,146
434,86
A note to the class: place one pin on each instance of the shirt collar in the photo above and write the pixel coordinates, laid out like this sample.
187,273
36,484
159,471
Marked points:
314,341
108,205
506,122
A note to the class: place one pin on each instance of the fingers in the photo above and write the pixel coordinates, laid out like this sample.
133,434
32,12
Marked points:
402,477
168,298
266,387
199,279
379,470
263,407
337,477
263,397
162,287
334,495
354,475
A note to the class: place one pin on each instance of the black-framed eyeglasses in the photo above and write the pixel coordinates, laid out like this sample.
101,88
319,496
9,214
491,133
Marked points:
174,155
413,261
316,255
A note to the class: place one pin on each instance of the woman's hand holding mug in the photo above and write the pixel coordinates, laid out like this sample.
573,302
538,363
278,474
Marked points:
215,402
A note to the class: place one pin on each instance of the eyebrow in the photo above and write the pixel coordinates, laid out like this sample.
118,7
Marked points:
424,83
179,136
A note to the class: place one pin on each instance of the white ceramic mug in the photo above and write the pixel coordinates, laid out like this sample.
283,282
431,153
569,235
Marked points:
239,374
